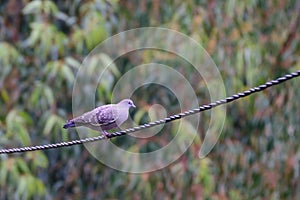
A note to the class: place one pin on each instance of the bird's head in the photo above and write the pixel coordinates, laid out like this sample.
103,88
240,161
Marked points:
127,103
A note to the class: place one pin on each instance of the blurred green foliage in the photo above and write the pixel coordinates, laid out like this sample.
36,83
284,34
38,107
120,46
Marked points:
42,44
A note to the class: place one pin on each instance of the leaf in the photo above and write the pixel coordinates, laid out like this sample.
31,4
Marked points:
3,173
68,20
60,40
8,55
35,34
50,7
49,95
32,7
52,68
14,171
77,39
67,73
25,117
108,62
21,189
95,36
72,62
139,115
42,95
95,32
22,166
39,7
35,95
185,130
40,160
64,132
40,187
4,95
93,63
16,122
22,133
5,72
49,124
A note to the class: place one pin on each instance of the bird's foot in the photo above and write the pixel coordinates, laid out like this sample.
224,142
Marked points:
106,134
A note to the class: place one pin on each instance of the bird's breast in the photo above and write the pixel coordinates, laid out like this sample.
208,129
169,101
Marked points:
122,116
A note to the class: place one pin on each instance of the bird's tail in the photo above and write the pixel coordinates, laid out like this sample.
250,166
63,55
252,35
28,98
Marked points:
69,124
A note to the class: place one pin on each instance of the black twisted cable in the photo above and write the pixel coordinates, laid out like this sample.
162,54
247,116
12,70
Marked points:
158,122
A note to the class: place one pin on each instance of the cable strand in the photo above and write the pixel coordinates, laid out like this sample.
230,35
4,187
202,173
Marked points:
158,122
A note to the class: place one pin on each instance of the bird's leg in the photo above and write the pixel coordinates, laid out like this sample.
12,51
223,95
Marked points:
105,133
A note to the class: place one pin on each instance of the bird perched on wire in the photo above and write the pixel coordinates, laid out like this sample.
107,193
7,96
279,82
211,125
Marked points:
103,118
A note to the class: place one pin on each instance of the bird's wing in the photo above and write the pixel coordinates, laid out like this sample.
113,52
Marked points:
100,116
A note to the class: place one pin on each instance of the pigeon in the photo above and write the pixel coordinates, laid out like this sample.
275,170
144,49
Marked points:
103,118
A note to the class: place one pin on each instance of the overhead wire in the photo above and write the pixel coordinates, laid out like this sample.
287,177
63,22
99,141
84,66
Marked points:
158,122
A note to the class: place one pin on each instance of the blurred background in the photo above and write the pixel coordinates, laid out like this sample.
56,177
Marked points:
42,45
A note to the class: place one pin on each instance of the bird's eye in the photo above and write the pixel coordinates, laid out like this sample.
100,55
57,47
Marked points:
129,103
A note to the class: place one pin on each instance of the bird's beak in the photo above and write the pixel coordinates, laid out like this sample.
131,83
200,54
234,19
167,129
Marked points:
133,106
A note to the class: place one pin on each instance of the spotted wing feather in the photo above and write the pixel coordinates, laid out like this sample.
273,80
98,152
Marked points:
100,116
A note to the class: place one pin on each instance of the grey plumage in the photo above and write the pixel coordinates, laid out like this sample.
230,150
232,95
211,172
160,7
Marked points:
104,117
